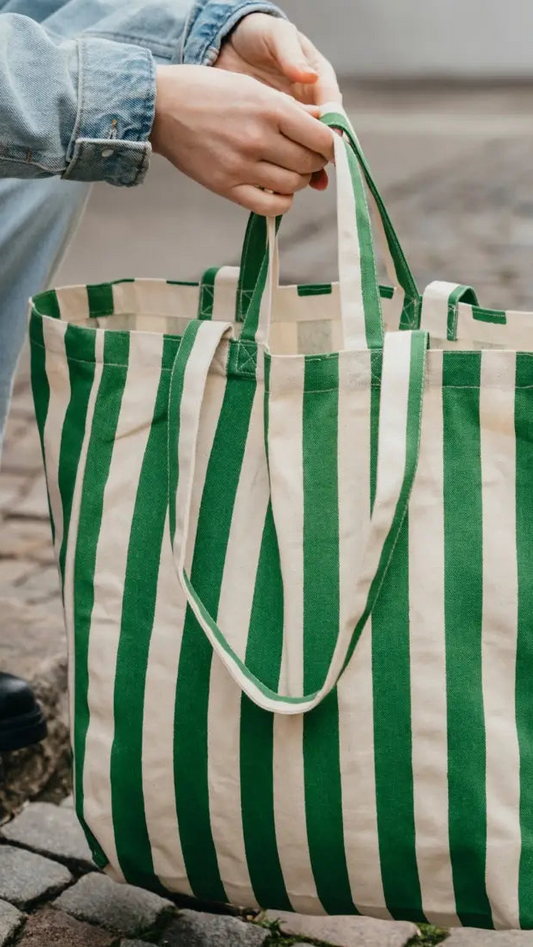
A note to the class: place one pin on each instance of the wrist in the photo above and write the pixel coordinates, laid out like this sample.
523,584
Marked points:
174,86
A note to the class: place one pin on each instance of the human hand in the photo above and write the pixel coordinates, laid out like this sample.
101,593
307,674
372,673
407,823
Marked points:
238,137
273,51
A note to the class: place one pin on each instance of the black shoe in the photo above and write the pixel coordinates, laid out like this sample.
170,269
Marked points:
22,721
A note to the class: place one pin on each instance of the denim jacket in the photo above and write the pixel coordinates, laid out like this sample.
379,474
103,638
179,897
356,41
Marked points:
77,79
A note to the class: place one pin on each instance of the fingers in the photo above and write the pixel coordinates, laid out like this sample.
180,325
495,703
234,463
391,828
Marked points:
280,180
260,202
300,127
326,88
287,49
287,154
301,62
319,181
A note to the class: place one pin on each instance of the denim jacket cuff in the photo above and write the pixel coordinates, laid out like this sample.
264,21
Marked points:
211,22
116,106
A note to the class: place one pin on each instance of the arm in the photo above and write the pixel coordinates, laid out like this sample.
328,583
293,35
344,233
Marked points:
84,108
78,108
73,102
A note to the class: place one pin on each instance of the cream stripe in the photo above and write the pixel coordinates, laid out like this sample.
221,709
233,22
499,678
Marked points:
355,688
158,726
428,664
500,592
285,458
225,293
73,303
133,429
57,373
70,552
349,253
289,815
392,445
162,673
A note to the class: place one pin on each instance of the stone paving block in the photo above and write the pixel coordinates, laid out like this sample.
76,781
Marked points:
472,937
26,878
31,633
67,802
48,927
13,571
122,908
345,931
26,540
34,503
53,831
22,407
196,929
131,943
40,587
10,921
22,451
12,487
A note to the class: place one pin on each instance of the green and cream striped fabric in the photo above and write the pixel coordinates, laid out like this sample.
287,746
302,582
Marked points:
296,556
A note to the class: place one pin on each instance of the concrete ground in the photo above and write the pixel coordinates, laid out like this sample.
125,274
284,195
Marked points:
455,166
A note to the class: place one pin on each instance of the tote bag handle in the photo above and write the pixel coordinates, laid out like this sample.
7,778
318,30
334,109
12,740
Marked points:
397,267
402,387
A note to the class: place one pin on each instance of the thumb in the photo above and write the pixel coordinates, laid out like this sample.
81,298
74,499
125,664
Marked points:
287,49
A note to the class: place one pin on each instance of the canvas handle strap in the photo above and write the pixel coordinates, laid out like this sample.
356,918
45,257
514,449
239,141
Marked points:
402,388
360,305
396,263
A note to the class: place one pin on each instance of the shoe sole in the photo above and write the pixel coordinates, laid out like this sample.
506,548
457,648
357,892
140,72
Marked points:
16,733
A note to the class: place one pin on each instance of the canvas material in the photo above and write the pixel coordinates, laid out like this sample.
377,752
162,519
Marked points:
406,792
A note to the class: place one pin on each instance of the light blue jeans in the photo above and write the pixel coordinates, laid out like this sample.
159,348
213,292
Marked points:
36,220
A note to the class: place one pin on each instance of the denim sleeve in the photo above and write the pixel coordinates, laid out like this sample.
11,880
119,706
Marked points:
78,108
77,91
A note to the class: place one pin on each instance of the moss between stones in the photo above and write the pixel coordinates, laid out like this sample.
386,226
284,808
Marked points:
429,936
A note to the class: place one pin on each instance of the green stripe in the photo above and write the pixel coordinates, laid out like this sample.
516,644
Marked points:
376,364
96,472
47,304
253,252
40,387
391,683
524,656
315,289
138,610
496,316
263,657
101,300
323,790
207,294
461,294
80,349
192,695
179,360
463,564
369,285
393,741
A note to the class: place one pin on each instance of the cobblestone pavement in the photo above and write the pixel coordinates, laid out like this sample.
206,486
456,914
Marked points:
51,894
457,175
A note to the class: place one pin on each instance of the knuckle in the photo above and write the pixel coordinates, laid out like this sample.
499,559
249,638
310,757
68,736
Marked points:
227,170
313,163
254,140
304,181
279,205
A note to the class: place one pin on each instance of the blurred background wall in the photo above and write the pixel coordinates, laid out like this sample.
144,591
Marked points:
480,39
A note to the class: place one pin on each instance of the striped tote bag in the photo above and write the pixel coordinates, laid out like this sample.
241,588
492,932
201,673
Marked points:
293,526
